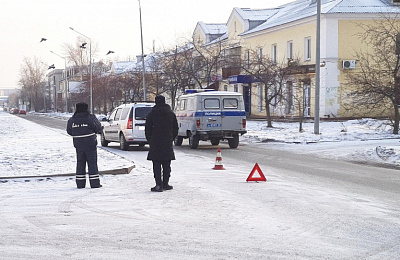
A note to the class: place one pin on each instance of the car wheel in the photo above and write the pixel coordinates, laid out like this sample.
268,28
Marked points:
215,141
178,140
234,142
194,141
104,142
122,142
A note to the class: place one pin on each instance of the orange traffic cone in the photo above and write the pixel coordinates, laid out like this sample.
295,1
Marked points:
218,161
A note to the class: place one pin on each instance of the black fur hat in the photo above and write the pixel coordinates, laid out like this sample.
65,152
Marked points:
160,100
81,107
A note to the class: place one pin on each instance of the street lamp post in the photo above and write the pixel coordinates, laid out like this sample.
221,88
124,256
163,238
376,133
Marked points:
90,65
143,68
66,80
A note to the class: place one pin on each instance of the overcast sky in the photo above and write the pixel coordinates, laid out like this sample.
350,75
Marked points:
112,25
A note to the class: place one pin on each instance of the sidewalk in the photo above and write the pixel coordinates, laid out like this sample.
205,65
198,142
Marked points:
31,150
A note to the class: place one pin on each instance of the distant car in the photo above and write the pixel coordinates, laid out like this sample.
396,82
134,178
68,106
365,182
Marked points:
22,112
126,125
14,111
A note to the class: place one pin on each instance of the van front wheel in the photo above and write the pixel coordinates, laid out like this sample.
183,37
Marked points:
194,141
178,140
122,143
234,142
104,142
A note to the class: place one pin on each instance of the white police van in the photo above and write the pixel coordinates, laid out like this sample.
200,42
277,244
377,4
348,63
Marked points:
126,125
210,115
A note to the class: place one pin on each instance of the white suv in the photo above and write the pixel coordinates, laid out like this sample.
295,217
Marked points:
126,125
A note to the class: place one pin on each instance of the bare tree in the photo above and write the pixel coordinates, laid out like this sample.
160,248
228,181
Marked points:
269,75
173,71
375,84
31,78
203,62
79,53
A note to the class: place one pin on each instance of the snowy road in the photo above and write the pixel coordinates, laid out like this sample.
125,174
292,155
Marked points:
297,214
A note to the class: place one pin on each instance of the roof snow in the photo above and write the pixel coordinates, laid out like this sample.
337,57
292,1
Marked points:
301,9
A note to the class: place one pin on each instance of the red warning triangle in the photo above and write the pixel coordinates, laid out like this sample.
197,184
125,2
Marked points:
261,175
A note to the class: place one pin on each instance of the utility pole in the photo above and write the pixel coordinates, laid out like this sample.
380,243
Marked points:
317,69
143,67
91,68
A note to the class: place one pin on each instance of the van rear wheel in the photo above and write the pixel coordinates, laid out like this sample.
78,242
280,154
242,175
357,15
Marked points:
194,141
215,141
234,142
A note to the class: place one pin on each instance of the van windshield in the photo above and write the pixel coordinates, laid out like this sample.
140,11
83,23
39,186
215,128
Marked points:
142,112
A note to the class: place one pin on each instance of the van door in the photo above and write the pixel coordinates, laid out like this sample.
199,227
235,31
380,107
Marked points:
232,113
112,130
211,113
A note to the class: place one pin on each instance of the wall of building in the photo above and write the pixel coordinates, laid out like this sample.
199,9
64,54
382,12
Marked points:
297,34
349,44
235,27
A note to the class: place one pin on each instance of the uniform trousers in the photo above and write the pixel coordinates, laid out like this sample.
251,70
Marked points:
89,158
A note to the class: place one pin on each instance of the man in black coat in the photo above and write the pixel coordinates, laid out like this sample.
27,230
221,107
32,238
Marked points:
83,127
161,130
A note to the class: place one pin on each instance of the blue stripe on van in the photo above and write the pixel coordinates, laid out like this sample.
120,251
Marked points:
219,113
212,113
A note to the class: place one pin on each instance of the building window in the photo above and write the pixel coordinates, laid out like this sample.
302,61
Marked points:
307,48
247,58
274,53
235,88
260,53
289,97
290,50
260,98
225,87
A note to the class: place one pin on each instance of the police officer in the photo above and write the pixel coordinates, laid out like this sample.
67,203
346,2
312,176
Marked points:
161,130
83,127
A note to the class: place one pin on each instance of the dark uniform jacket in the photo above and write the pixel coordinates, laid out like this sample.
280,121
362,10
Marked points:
83,127
161,130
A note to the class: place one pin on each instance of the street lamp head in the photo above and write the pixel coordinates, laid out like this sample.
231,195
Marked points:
43,39
83,46
109,52
51,67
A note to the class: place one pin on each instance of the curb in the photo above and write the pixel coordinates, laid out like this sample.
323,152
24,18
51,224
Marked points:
126,170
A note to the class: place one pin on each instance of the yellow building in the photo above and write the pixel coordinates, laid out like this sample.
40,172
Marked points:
287,35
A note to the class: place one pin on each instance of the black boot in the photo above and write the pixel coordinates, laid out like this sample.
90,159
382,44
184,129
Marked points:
166,186
157,188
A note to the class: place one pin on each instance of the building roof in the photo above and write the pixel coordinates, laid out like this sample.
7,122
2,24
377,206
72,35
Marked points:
256,14
118,67
213,28
301,9
150,63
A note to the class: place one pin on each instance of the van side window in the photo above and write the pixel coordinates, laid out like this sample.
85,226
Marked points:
112,116
211,103
230,103
118,114
182,104
125,112
190,104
